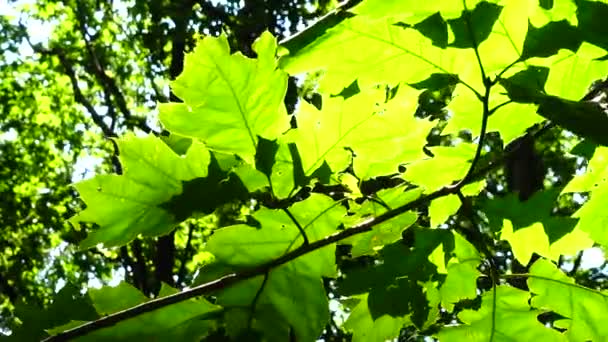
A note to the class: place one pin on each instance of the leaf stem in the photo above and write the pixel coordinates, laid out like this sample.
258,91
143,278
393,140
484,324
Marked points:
295,221
378,200
467,19
482,135
478,242
485,99
256,298
493,110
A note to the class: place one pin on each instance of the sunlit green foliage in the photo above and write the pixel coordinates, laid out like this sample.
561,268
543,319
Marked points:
355,203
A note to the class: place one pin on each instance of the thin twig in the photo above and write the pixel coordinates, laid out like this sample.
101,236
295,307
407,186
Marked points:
295,221
378,200
502,72
482,135
467,19
71,73
485,99
108,83
256,298
467,208
493,110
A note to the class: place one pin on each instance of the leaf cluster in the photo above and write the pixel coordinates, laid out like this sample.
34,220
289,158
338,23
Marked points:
356,203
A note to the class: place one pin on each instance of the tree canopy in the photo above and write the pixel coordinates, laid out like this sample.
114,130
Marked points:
303,170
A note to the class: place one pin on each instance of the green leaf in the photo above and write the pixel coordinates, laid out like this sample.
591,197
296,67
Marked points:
399,260
462,273
448,164
590,16
525,84
386,232
287,172
359,124
280,162
397,288
555,11
407,55
293,292
204,194
536,231
572,73
595,175
592,216
510,120
399,60
586,119
366,328
583,309
505,43
460,283
290,298
540,41
407,9
246,246
508,318
442,208
229,99
69,304
382,234
527,241
569,77
252,179
127,205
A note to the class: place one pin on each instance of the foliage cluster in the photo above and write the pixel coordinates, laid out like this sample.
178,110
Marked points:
74,72
364,198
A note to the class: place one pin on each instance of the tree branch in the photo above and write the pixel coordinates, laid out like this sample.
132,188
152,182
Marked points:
78,95
233,278
300,40
141,267
107,83
181,273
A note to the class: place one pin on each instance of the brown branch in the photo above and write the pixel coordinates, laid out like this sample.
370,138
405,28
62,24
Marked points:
164,259
216,12
140,266
71,73
298,41
181,274
109,85
79,96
